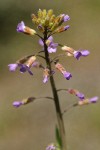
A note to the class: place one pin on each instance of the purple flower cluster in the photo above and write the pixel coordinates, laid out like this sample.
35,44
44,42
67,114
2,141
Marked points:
49,27
49,24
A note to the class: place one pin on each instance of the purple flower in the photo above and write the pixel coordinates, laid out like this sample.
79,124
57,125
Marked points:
24,29
41,42
66,18
46,75
36,64
50,38
52,47
24,64
93,99
17,104
77,54
23,102
80,95
21,27
88,101
51,147
12,67
51,50
45,80
23,68
82,100
66,27
67,75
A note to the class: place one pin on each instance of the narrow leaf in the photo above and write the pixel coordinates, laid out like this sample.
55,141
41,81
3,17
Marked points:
58,137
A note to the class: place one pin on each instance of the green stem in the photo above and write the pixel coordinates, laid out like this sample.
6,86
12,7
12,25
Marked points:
56,98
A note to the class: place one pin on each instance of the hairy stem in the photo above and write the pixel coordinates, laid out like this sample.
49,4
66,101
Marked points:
56,98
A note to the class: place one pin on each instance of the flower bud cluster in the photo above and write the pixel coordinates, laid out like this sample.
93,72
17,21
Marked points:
46,19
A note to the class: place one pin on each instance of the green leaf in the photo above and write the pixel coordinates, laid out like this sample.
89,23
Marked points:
58,138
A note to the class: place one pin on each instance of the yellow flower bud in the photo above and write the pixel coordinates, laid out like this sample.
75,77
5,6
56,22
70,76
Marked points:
40,15
50,13
44,12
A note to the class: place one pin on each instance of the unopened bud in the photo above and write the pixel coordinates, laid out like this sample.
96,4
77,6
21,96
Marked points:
41,28
50,12
62,29
28,100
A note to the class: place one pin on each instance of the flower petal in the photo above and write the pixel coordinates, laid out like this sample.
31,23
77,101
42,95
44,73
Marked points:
21,27
66,18
45,80
77,54
24,68
93,99
17,104
50,38
67,75
66,27
80,95
52,50
41,42
85,52
12,67
51,147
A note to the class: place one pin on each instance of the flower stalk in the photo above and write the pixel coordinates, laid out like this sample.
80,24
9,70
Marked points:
55,96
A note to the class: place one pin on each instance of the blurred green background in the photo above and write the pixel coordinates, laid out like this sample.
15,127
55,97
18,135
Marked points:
32,127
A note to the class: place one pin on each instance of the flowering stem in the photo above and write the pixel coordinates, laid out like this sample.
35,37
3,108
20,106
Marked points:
56,98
